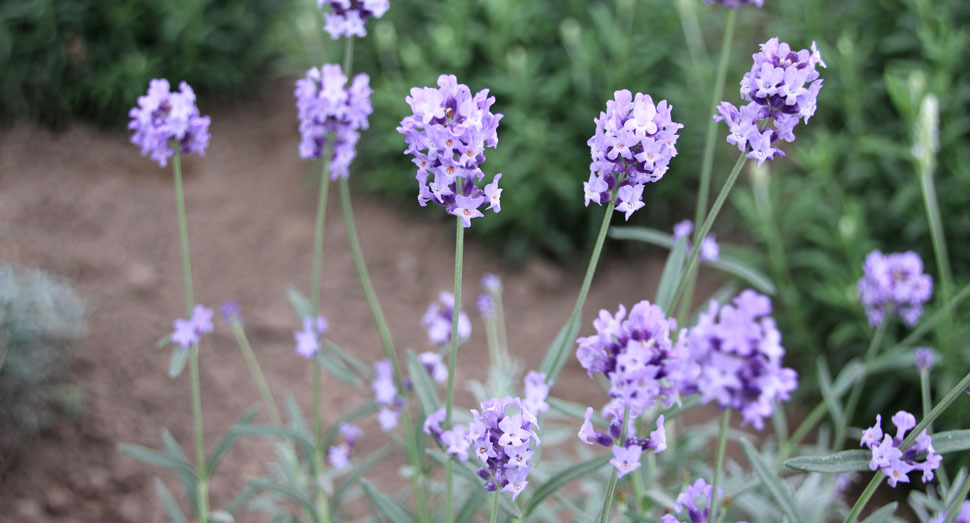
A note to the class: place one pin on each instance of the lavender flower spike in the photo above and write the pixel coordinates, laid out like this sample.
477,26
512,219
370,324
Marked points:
781,88
188,332
437,320
501,439
447,134
308,339
347,17
923,359
331,115
709,247
738,348
895,281
894,463
696,499
634,138
163,120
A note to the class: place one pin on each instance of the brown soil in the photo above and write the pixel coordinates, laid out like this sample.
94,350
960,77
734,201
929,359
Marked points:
83,204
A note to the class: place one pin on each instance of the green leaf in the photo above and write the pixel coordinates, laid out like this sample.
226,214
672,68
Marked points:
336,367
951,441
882,515
473,503
188,480
559,479
359,470
391,509
177,363
671,275
154,457
299,302
550,366
163,341
171,507
771,481
423,384
287,492
362,368
239,501
227,440
845,461
825,384
360,412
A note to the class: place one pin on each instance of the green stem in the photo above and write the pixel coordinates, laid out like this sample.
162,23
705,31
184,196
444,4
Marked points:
316,272
637,481
954,508
348,56
452,358
495,496
317,267
256,371
611,487
803,429
924,386
706,227
388,345
951,396
936,234
202,490
719,462
856,392
562,349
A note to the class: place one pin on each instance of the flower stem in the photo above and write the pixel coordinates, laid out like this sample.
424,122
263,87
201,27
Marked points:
942,260
452,358
924,386
317,267
706,228
947,400
256,371
495,496
315,277
386,342
856,392
719,462
561,350
202,490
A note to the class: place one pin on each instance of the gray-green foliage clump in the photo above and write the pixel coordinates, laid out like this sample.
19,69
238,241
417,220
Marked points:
40,316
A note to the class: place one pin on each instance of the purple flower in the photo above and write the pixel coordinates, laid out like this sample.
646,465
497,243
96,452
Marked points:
455,442
447,134
634,139
432,424
709,248
492,283
894,280
164,118
434,365
231,312
696,499
625,459
782,87
347,17
738,348
437,320
350,433
388,418
338,456
331,115
385,390
734,4
187,333
923,359
536,392
485,305
500,439
893,462
637,356
308,339
683,229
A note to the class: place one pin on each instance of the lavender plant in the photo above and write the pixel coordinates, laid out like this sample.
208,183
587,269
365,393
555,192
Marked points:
653,364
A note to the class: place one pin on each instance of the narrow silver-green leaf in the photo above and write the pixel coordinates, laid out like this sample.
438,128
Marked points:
227,440
882,515
472,504
177,362
299,302
350,417
359,470
389,508
239,501
771,481
157,458
272,431
423,385
951,441
362,368
670,277
163,341
845,461
188,479
825,384
287,492
337,368
171,507
560,478
549,360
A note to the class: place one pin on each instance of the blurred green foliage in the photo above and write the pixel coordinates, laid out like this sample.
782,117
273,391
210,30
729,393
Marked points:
92,58
39,317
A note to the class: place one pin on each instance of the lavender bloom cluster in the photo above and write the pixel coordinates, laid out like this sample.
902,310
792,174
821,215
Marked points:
633,144
734,4
738,348
688,499
536,392
348,17
308,339
437,321
231,312
923,359
782,86
710,250
339,455
188,332
331,113
500,439
626,450
447,135
163,118
386,394
637,355
893,462
894,280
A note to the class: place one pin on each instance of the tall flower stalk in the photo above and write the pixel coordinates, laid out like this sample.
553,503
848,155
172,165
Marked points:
323,508
452,359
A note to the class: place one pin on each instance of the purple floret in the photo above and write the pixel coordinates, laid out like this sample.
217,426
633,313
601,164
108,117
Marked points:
635,139
923,359
781,89
501,439
710,250
163,119
893,462
738,348
308,339
696,499
637,356
331,114
348,17
187,333
437,321
447,134
894,281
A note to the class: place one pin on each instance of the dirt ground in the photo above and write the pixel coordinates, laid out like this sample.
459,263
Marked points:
85,205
